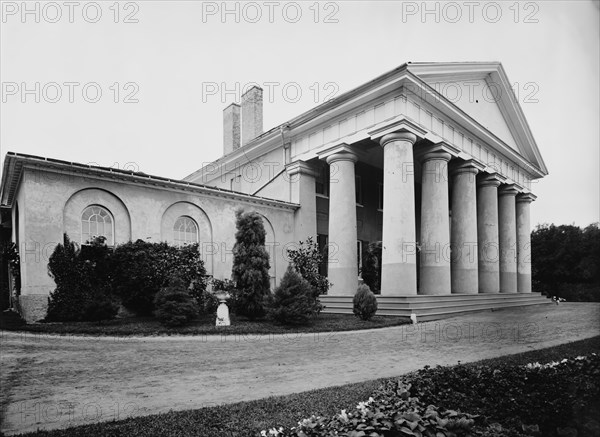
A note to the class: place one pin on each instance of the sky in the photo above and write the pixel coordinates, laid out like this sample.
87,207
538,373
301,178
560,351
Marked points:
141,85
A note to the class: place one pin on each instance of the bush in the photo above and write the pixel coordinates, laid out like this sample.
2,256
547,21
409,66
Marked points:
174,304
306,260
250,265
100,308
293,302
141,269
82,281
365,303
371,270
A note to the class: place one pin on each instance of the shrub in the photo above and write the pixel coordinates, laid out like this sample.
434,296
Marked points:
371,270
82,281
100,308
141,269
365,303
250,265
293,302
174,304
306,260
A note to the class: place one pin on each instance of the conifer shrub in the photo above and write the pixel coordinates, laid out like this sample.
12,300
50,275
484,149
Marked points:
365,303
82,280
293,302
250,266
174,304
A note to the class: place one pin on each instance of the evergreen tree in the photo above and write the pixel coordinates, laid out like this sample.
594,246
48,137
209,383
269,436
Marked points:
250,265
293,301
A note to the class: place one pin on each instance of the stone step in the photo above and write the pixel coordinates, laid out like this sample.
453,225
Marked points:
432,309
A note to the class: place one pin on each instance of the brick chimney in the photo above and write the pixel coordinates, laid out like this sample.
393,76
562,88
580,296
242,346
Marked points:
231,128
252,114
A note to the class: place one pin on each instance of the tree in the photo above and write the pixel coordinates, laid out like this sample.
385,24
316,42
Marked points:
566,261
250,265
306,260
293,302
82,278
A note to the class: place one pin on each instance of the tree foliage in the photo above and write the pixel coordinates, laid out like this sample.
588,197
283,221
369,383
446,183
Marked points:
371,270
174,306
306,259
141,269
364,303
250,265
82,278
566,261
293,302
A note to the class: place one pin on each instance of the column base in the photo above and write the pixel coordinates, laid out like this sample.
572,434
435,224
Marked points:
524,283
399,279
465,281
508,282
344,280
435,280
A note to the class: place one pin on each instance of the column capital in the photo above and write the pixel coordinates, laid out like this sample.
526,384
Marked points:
339,152
442,151
469,166
403,135
490,180
508,190
300,167
396,125
526,197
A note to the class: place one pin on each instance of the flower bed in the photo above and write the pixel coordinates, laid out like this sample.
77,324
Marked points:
553,399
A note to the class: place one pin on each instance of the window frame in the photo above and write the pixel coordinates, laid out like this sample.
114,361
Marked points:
112,227
178,242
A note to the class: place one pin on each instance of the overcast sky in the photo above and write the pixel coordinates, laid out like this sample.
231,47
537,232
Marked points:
165,71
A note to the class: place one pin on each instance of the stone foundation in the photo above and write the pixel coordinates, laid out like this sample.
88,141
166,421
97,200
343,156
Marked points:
32,307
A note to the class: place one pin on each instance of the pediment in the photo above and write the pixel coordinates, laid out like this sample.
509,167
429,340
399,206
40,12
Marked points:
482,91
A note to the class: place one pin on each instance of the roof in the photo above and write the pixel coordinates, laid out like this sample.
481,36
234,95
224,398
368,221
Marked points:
15,163
421,73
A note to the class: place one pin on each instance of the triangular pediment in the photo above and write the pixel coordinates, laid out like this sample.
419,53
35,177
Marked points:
482,91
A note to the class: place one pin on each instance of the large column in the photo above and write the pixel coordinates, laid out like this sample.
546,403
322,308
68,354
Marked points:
302,191
435,222
399,259
342,264
487,234
507,227
463,231
524,242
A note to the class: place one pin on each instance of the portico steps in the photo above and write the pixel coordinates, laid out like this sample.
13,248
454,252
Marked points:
436,307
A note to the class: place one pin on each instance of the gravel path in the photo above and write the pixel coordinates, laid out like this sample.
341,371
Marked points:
53,382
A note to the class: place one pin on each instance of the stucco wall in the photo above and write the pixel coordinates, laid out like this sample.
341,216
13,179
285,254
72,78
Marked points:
50,204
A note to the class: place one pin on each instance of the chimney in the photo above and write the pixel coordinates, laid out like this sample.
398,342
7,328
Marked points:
231,128
252,114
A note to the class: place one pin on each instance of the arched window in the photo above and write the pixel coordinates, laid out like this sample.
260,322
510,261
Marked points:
97,222
185,231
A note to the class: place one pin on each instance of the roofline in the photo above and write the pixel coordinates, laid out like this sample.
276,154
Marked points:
14,164
486,67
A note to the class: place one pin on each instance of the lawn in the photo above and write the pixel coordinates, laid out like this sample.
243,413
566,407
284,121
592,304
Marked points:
205,325
248,418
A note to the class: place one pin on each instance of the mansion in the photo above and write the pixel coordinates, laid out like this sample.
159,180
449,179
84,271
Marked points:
435,160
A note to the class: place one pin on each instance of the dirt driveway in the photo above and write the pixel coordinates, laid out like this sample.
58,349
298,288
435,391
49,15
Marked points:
53,382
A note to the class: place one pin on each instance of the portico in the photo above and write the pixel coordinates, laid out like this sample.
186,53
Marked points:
468,222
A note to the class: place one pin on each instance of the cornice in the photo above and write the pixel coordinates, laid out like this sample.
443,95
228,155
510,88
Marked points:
22,162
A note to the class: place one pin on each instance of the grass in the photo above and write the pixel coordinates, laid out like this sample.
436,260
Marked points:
205,325
248,418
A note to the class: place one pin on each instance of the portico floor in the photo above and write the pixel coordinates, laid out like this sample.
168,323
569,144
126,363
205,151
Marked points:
52,381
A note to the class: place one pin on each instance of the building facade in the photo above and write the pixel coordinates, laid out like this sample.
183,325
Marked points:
435,160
